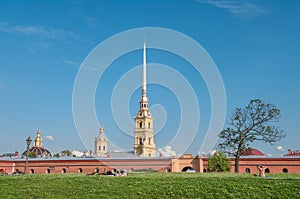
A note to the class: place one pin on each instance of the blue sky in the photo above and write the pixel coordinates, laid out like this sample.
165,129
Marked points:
255,45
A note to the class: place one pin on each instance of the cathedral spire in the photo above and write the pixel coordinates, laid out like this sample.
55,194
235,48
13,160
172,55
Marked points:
144,98
38,141
144,89
144,145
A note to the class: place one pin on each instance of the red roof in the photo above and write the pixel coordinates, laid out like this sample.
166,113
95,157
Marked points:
252,152
39,151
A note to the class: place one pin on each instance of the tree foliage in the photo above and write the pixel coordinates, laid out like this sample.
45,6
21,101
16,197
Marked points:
249,124
219,162
31,154
66,153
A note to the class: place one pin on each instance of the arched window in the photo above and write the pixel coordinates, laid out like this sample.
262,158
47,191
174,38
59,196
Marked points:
267,170
149,140
187,169
32,171
285,170
141,141
79,170
63,170
99,147
248,170
141,124
204,170
149,125
48,171
103,148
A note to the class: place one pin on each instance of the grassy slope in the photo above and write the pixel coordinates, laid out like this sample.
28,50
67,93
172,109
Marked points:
150,185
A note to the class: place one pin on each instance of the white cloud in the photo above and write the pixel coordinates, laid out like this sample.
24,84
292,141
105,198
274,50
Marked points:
212,152
89,68
166,152
43,37
280,148
91,21
70,62
37,31
77,153
49,137
240,8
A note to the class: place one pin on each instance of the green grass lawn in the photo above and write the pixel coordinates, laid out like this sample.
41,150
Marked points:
150,185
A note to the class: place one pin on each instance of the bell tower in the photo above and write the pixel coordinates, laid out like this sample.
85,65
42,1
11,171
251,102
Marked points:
38,141
101,143
143,133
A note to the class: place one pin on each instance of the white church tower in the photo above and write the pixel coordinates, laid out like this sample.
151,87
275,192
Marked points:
101,143
144,145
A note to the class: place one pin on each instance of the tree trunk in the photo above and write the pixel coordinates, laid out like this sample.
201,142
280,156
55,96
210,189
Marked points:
236,164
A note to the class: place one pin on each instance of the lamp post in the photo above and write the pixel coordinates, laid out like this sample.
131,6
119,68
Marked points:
28,142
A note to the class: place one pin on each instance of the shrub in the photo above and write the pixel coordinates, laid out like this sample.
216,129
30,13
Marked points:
219,162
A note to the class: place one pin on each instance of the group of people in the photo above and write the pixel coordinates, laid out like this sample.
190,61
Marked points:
114,172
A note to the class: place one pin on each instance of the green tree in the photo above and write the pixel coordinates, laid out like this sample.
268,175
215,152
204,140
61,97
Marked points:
249,124
66,153
31,154
219,162
56,155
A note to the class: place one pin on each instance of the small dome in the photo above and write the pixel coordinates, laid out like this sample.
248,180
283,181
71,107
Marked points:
252,152
39,151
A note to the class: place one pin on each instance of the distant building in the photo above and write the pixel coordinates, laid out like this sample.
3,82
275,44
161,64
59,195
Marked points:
293,153
121,160
88,153
38,147
144,145
101,144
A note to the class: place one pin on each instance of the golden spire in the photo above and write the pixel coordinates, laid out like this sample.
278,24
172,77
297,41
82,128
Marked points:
101,129
144,84
144,98
38,141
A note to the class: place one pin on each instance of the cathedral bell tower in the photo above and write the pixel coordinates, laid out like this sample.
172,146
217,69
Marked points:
38,141
101,143
144,145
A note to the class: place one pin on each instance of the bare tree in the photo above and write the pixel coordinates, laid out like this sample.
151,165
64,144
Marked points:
249,124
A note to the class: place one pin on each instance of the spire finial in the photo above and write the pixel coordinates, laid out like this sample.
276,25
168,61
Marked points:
101,129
